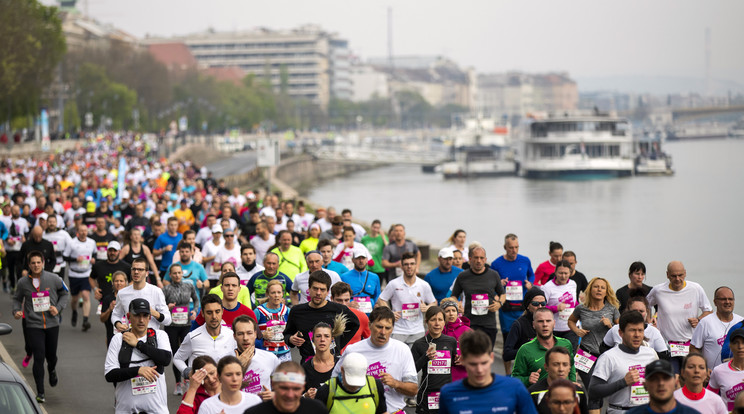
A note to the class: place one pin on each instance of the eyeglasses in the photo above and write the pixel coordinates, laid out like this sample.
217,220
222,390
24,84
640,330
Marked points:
539,303
229,235
138,269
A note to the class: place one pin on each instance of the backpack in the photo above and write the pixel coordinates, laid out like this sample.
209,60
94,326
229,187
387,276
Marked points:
371,385
125,352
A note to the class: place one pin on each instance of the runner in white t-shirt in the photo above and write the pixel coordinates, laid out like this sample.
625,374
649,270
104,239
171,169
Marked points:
257,363
229,252
409,297
652,335
678,302
710,333
693,394
618,373
230,400
262,241
389,360
727,379
300,292
209,254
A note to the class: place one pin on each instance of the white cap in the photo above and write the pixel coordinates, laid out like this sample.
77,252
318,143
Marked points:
446,253
359,252
125,194
43,216
114,245
216,228
355,369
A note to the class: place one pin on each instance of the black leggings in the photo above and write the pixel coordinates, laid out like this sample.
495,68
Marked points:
43,342
27,346
176,334
12,261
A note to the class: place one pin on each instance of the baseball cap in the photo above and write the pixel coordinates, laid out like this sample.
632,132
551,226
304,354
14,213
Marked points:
139,306
661,366
355,369
114,245
446,253
43,216
216,228
736,333
359,252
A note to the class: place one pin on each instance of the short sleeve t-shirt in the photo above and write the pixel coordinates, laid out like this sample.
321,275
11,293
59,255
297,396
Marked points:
709,336
728,382
392,253
163,240
375,246
711,403
517,270
556,294
394,358
213,405
592,322
675,307
407,300
474,287
615,363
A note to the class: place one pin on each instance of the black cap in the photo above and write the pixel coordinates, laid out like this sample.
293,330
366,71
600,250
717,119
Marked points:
660,366
139,306
736,333
530,294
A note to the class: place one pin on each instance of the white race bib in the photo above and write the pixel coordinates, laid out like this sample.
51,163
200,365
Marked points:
433,401
565,314
479,304
410,311
584,361
365,303
514,291
141,386
679,349
101,253
638,393
442,364
180,315
40,301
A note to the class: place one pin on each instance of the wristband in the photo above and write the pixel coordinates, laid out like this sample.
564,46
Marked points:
187,404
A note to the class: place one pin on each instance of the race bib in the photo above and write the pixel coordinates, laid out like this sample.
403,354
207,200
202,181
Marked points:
410,311
442,364
180,315
565,314
99,309
141,386
40,301
479,304
433,401
679,349
57,268
101,255
84,261
514,291
125,321
275,331
584,361
252,382
638,393
365,303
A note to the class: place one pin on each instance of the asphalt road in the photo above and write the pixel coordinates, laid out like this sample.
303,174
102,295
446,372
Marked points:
238,163
82,388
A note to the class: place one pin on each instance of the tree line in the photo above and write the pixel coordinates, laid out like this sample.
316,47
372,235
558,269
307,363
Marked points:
124,87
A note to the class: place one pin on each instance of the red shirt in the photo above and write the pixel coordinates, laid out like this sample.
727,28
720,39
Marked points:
363,332
229,315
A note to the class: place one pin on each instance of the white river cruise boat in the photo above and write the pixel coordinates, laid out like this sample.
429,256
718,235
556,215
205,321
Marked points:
481,149
577,146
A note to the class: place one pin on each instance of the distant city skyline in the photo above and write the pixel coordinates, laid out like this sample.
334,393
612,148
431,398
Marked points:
587,39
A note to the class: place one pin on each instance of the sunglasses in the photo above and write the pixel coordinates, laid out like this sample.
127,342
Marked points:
538,303
229,235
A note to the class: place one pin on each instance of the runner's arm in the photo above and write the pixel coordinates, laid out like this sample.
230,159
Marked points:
601,389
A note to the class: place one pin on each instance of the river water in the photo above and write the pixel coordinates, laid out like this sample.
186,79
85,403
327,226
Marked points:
695,216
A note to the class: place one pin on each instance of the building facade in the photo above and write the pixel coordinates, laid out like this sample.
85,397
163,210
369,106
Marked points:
316,62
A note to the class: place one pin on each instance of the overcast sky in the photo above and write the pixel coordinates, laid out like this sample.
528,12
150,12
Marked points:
587,38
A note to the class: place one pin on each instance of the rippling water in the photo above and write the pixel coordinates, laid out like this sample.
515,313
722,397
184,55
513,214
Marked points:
695,216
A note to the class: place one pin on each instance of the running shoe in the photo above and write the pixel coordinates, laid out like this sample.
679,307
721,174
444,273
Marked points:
73,319
53,378
26,360
178,390
86,326
40,398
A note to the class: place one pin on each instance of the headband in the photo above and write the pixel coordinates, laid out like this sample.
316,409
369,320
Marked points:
294,377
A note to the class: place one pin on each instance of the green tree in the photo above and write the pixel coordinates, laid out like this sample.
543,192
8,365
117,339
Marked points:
32,46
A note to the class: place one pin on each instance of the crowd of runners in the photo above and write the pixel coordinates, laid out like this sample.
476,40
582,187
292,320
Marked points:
260,305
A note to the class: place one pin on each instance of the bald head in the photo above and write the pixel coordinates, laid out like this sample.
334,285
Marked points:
36,233
676,274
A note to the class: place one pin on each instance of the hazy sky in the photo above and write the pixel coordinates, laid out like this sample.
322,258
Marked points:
587,38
